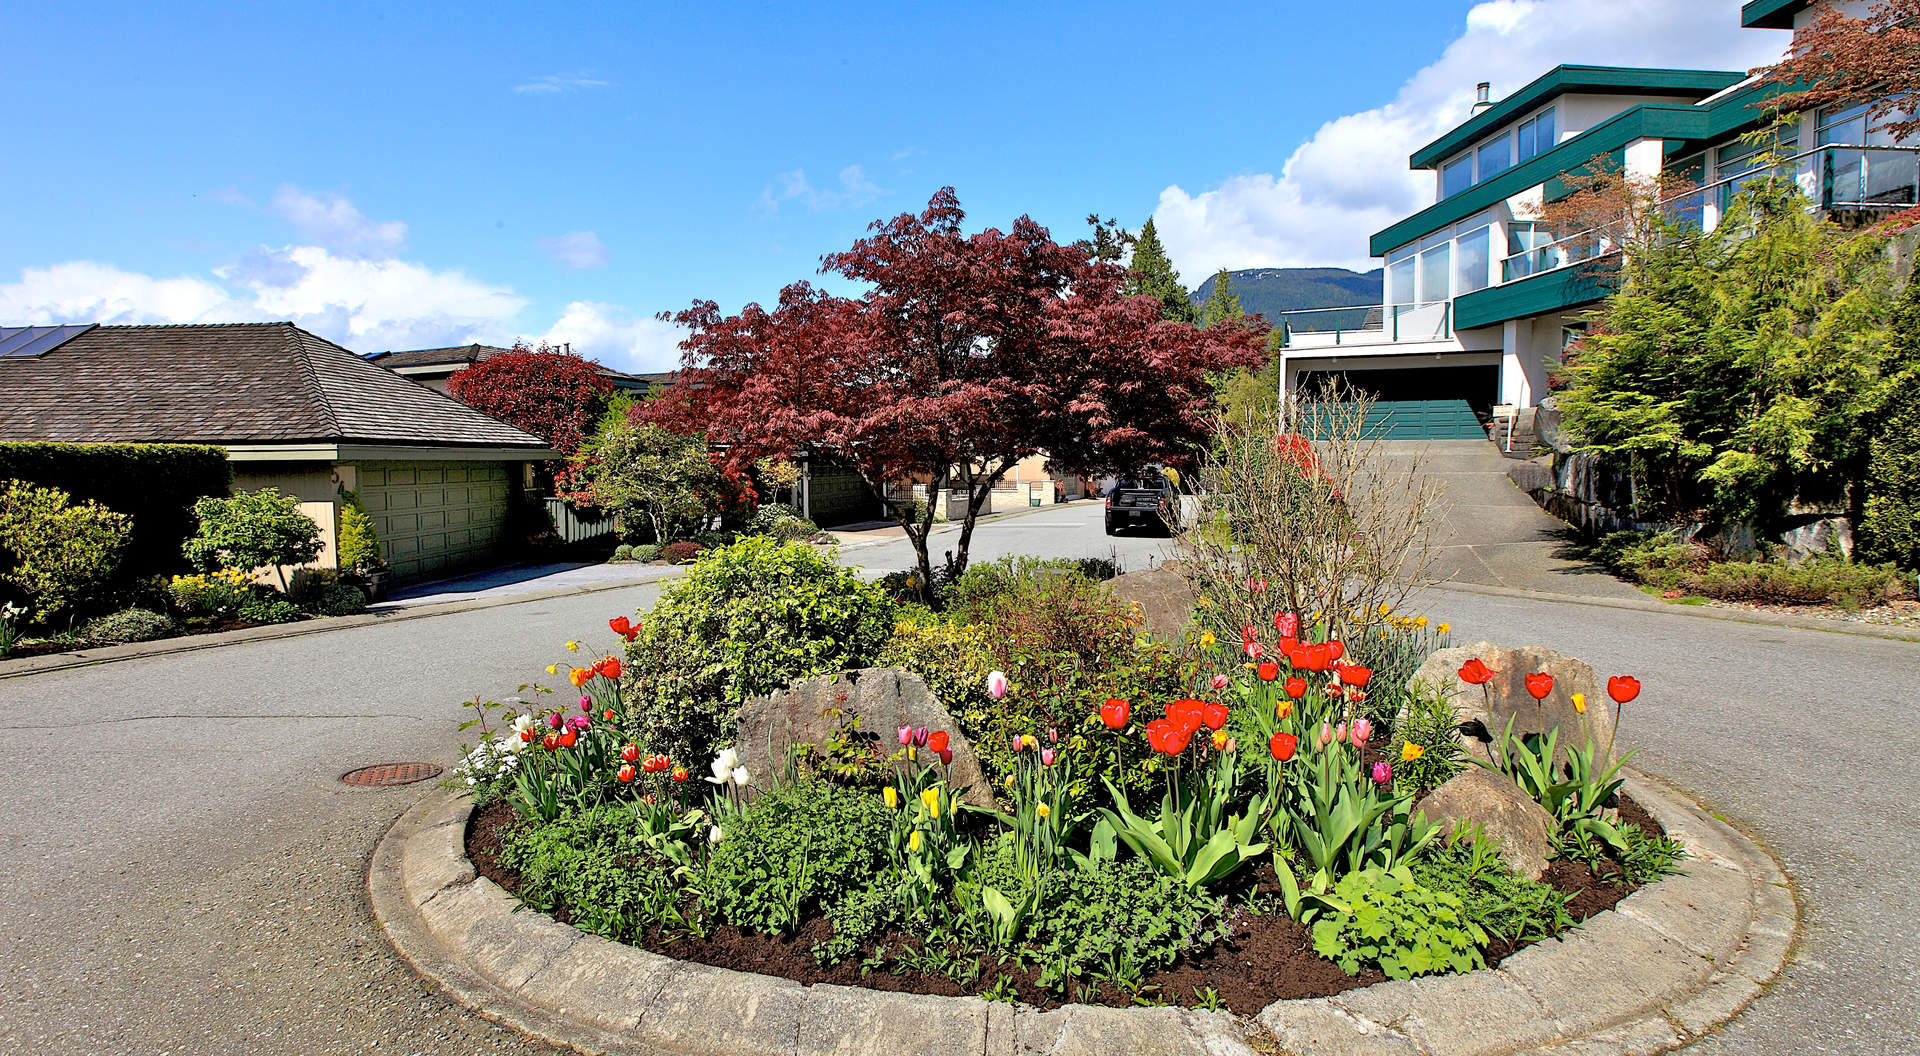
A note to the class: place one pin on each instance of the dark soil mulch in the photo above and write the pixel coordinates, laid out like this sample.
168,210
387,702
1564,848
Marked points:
1266,958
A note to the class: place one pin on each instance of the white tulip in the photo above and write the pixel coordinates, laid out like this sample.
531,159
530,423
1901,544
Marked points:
741,776
714,834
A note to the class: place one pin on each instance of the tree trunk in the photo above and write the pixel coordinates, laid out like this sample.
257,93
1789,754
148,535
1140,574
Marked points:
978,490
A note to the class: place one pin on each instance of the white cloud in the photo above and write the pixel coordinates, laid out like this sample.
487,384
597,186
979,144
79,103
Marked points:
575,249
617,338
371,305
854,188
332,221
83,291
1351,178
555,83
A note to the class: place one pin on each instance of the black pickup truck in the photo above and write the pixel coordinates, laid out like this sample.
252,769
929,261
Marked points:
1140,500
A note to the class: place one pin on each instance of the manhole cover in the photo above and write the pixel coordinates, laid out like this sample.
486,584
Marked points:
384,774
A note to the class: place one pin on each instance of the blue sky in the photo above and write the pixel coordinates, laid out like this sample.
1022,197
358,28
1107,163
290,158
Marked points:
402,175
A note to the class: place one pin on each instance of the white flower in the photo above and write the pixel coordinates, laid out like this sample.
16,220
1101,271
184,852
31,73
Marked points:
996,684
723,767
741,776
714,834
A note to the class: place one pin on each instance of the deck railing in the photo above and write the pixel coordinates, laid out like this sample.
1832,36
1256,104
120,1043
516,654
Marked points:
1367,324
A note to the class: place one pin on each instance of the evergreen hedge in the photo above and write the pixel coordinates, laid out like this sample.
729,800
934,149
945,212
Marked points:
155,484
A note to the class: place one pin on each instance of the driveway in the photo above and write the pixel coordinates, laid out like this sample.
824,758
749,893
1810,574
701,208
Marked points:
181,872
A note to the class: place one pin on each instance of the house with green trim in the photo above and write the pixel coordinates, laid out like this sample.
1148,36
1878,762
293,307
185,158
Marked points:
1481,301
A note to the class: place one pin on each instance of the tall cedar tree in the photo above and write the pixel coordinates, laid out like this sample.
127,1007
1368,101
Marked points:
1840,61
557,396
1154,275
1223,305
967,354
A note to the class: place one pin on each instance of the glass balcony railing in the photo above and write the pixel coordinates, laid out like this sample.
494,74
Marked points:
1366,324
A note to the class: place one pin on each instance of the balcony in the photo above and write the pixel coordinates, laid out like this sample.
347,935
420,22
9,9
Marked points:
1366,325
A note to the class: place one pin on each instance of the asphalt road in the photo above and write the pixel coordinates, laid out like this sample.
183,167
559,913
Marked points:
181,872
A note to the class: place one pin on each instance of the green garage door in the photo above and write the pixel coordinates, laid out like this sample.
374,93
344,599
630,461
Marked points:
1420,403
435,516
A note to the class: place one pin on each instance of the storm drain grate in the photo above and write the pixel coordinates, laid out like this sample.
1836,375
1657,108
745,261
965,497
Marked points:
383,774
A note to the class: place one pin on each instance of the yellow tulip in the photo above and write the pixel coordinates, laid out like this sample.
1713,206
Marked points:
931,800
912,753
1009,780
913,842
892,796
1043,810
1285,707
1219,740
1580,703
1411,751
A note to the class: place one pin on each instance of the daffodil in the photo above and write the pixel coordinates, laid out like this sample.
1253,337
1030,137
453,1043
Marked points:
573,647
1445,627
1385,608
1042,810
553,669
1419,621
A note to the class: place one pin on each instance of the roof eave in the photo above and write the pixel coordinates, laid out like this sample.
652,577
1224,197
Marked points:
1770,14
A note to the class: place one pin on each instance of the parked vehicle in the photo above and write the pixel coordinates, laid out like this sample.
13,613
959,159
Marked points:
1142,500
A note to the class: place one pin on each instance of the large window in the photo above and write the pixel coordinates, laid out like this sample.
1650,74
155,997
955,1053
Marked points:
1535,136
1496,157
1686,203
1741,162
1400,277
1471,261
1435,266
1457,176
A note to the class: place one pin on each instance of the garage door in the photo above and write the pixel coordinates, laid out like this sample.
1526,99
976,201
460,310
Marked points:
435,516
1420,403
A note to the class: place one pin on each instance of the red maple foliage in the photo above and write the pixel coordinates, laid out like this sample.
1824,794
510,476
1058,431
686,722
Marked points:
1837,60
555,395
966,354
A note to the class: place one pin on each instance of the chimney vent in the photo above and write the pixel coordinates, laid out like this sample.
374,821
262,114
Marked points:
1480,100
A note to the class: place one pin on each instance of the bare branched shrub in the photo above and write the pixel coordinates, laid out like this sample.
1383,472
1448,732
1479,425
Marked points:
1307,510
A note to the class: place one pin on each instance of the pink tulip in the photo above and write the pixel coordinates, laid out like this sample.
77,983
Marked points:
920,735
1382,773
1287,623
1053,735
1340,733
579,722
554,721
1362,729
586,704
996,684
1326,735
1017,744
1219,682
906,735
1046,757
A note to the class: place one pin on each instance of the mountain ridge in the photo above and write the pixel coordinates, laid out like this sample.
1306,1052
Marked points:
1272,291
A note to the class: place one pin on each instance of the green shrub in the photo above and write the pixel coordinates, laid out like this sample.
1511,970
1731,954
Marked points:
746,619
56,553
1115,922
155,484
268,606
211,596
1820,580
129,625
359,547
253,530
793,529
796,852
1504,903
623,552
325,592
601,867
1393,923
771,513
1430,725
646,552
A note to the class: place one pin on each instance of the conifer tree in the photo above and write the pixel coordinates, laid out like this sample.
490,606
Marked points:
1223,305
1154,274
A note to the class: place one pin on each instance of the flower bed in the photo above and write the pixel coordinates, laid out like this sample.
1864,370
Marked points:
1245,830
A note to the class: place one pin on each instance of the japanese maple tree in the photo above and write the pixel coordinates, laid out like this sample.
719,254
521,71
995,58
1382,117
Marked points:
966,354
1838,60
555,395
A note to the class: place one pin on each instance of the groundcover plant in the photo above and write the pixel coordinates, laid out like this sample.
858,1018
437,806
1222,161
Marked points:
1267,786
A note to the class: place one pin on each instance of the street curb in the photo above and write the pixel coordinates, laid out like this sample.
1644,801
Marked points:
1702,612
1675,960
35,665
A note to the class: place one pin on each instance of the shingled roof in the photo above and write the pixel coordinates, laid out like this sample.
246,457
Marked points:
244,383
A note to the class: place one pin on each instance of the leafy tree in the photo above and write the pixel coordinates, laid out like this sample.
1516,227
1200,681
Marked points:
1223,305
646,472
1837,60
557,396
1890,523
53,551
966,354
1154,275
252,530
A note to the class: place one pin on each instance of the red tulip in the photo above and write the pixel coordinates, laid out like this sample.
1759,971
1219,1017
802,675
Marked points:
1475,673
550,741
1335,650
609,667
937,741
1113,714
568,738
946,756
1356,676
1167,737
624,627
1539,684
1248,636
607,714
1320,656
526,736
1288,644
630,753
1255,650
1296,687
1623,688
1283,745
1268,671
625,773
1214,715
1286,623
1297,656
1186,714
679,773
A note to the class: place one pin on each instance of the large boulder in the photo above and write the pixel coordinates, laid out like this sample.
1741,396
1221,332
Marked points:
1164,599
883,699
1522,828
1506,697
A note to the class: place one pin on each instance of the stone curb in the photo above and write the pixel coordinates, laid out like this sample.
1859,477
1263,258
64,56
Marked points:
1685,955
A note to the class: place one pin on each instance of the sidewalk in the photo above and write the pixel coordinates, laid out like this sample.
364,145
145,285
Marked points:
514,580
868,533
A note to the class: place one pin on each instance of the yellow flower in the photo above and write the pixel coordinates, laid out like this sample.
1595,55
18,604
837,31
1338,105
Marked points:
892,796
931,800
1219,740
1419,621
1009,781
1027,741
1043,810
1207,639
1445,627
573,647
1285,707
1203,601
913,842
1385,608
912,753
553,669
1411,751
1580,703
